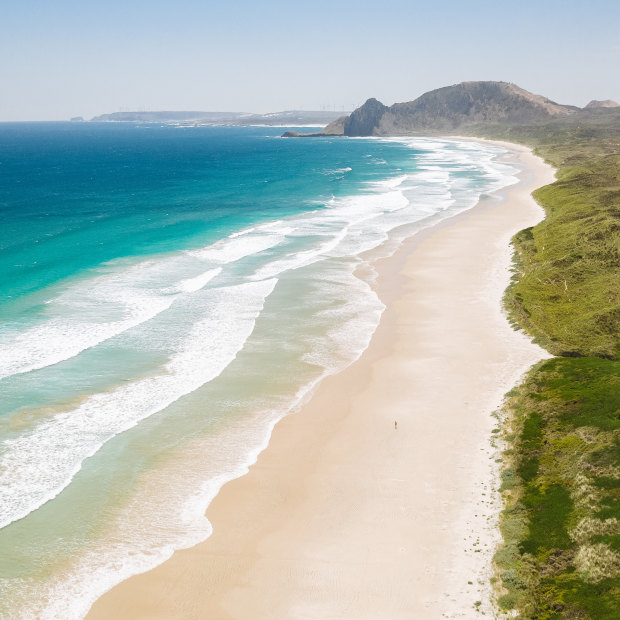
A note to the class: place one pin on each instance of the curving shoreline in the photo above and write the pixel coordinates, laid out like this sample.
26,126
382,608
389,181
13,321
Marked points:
344,516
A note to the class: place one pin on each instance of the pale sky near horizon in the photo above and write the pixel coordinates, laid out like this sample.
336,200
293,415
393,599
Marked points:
66,58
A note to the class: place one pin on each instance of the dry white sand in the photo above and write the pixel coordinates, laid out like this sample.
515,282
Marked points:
345,517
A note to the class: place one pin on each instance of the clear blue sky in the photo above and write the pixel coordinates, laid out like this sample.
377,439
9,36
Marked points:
62,58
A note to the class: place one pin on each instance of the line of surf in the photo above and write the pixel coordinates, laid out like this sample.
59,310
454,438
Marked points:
38,465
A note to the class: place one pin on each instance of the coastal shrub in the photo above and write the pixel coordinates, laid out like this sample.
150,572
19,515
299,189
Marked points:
507,555
589,528
509,479
597,562
561,524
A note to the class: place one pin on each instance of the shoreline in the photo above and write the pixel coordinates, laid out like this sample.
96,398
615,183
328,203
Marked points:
344,516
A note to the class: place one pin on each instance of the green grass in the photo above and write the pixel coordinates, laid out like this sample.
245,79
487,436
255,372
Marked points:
567,293
566,290
566,446
561,478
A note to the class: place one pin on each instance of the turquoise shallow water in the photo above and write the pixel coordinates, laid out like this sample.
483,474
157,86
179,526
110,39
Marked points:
166,295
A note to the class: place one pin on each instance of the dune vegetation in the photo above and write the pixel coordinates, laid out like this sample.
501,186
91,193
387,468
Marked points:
561,476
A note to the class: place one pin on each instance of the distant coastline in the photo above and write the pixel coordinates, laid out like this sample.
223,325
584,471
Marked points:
288,118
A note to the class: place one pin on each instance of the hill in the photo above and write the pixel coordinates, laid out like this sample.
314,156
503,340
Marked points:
453,107
607,103
467,108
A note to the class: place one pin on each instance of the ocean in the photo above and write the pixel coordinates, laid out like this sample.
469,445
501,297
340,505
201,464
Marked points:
167,294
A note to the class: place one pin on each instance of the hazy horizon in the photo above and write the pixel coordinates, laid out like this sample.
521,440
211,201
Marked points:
74,59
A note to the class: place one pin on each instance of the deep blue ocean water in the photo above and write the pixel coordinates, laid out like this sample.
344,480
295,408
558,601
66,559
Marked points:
166,295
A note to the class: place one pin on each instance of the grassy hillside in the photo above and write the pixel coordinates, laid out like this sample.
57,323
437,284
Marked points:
561,483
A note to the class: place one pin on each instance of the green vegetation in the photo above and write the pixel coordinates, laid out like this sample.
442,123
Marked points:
561,482
567,287
561,526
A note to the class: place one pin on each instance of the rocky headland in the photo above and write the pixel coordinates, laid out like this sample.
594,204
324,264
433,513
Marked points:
458,108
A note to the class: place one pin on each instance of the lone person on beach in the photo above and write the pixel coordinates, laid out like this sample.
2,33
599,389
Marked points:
395,424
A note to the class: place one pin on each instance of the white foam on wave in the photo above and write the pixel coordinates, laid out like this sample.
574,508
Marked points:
91,311
340,172
301,258
349,320
191,285
362,222
392,182
39,464
234,248
344,218
81,313
244,231
273,226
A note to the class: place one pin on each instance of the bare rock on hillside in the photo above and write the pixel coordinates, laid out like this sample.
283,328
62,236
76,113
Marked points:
366,119
468,103
451,108
606,103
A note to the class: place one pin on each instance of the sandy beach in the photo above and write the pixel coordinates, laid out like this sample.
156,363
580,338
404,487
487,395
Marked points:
345,516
